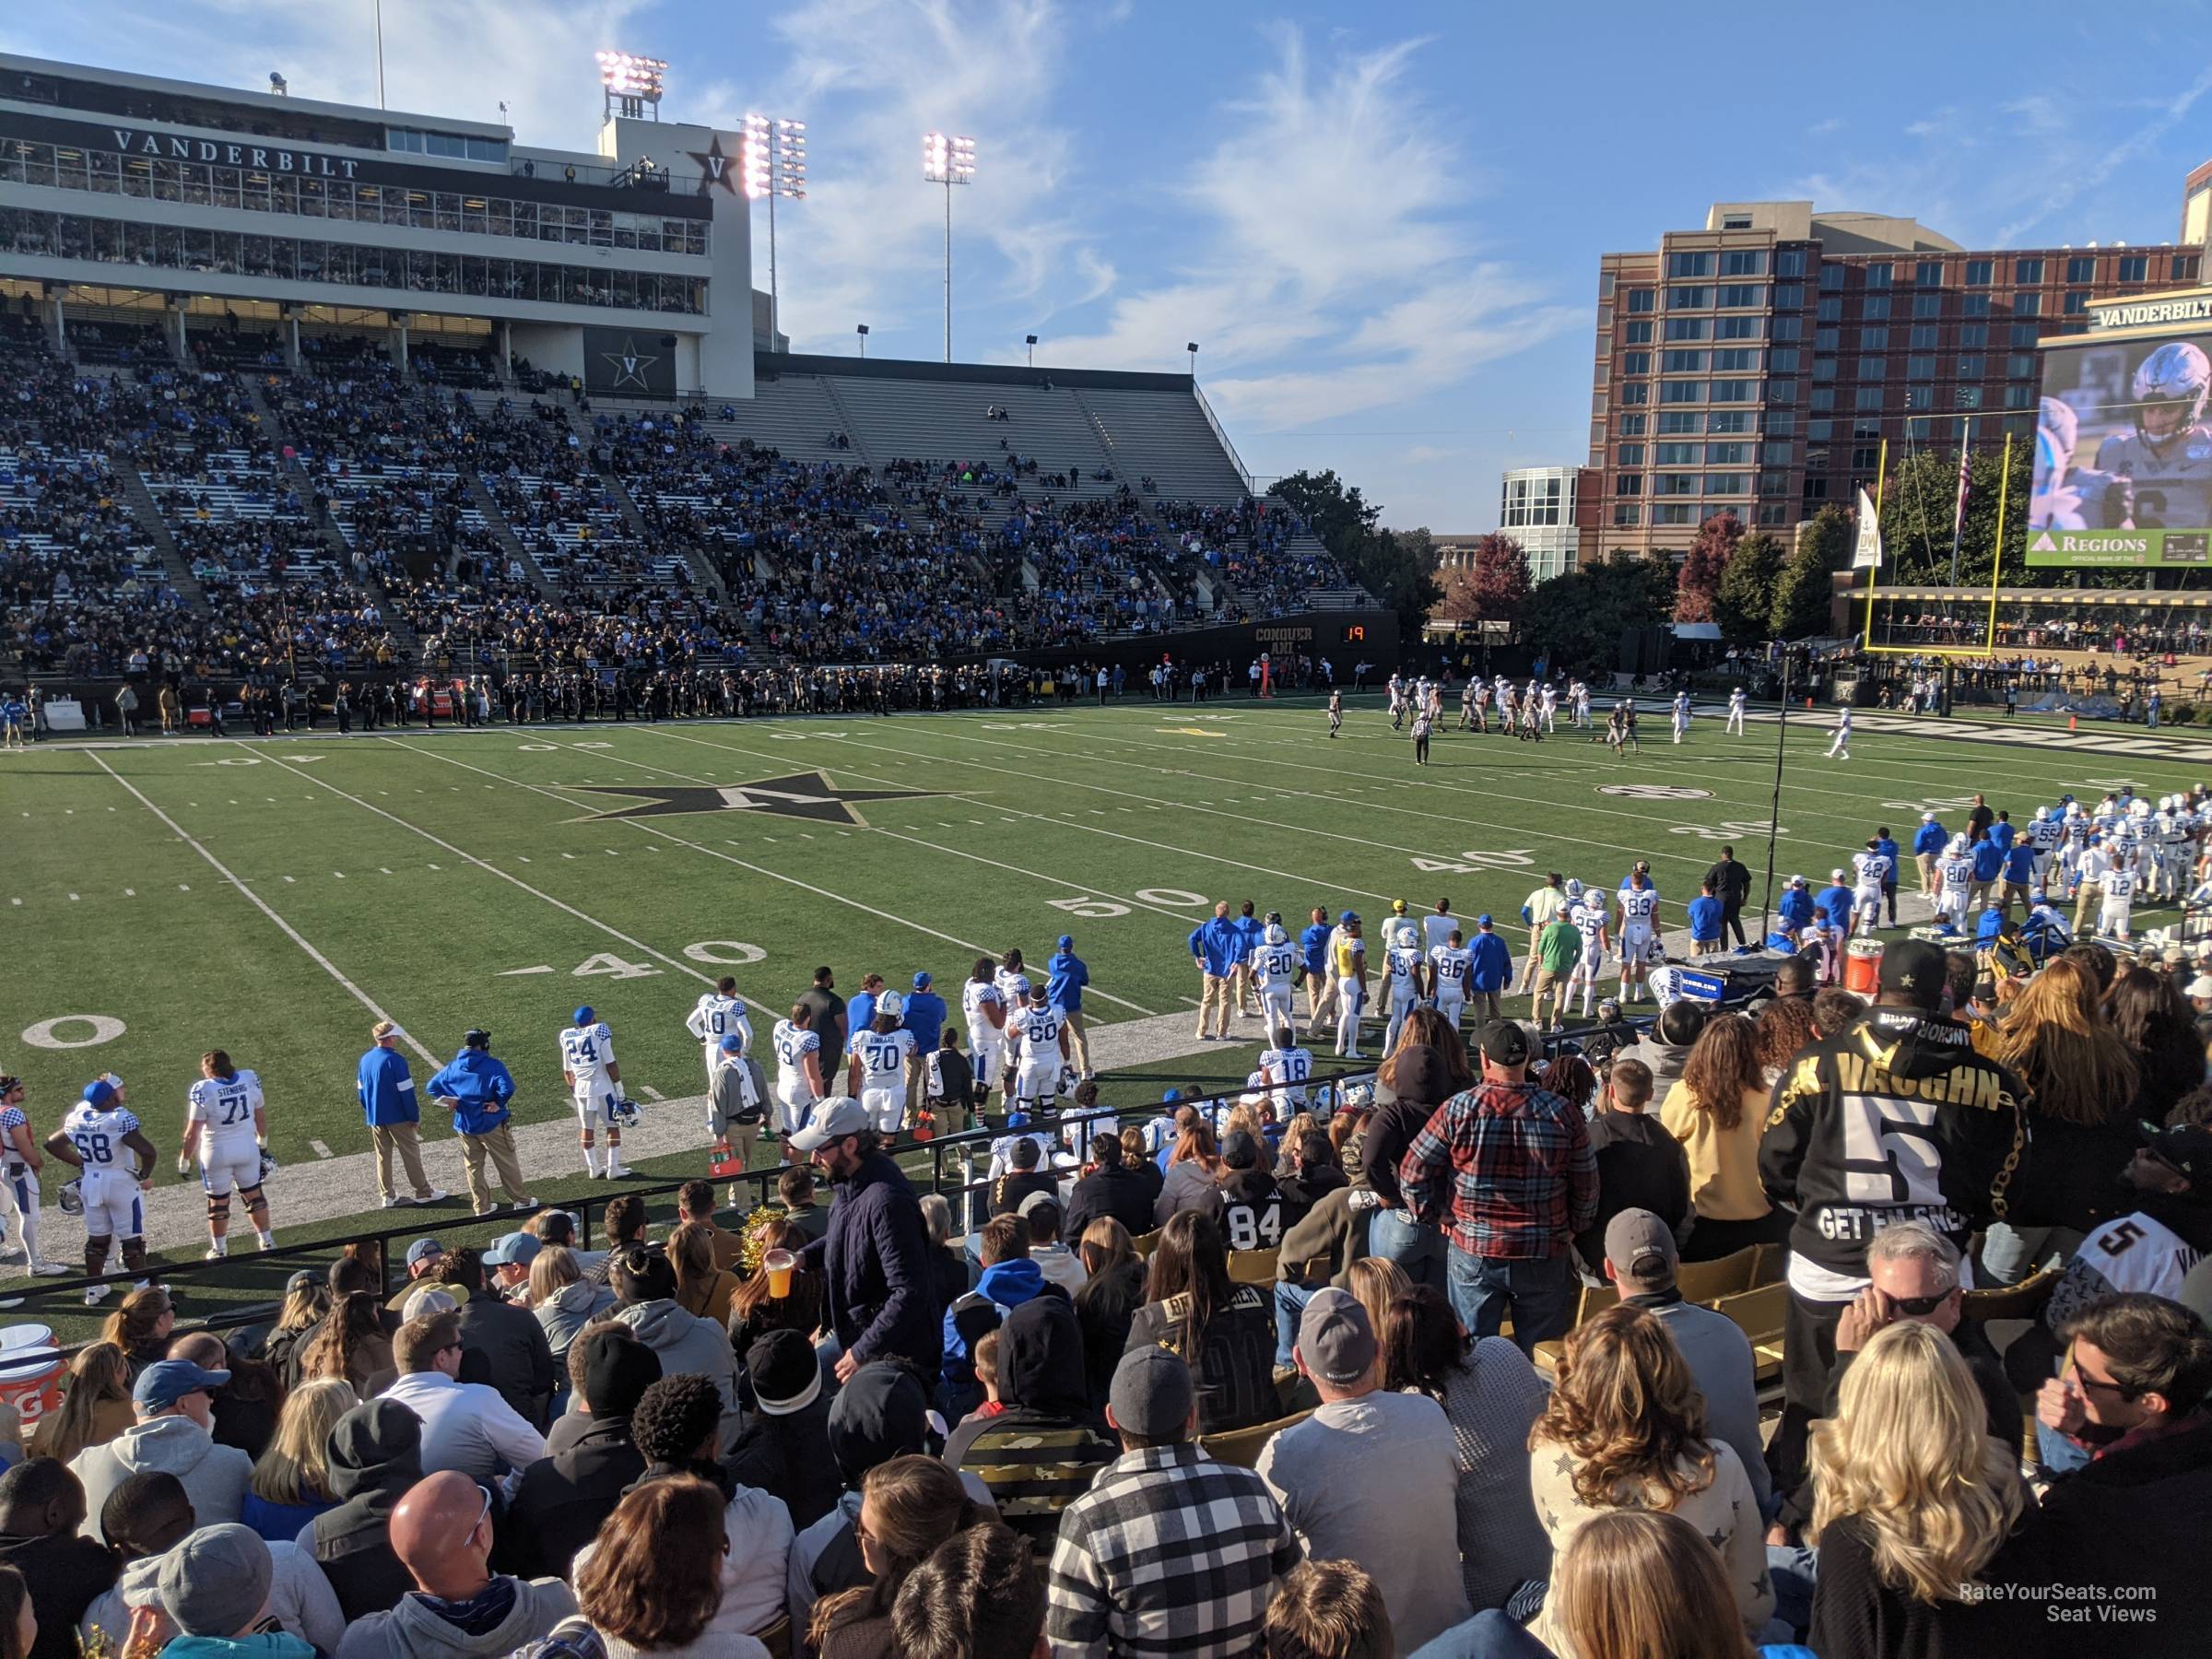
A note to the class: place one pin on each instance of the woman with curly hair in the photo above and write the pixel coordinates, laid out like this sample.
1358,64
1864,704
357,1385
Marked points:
1625,1429
1717,1110
654,1582
1913,1505
908,1507
1784,1026
2079,1080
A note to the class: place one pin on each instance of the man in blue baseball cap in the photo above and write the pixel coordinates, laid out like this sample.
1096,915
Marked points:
924,1017
175,1410
1490,970
1065,976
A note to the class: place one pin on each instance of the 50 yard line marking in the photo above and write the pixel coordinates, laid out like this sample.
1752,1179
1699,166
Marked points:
289,932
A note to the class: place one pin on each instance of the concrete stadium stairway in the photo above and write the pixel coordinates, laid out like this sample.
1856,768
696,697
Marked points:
140,500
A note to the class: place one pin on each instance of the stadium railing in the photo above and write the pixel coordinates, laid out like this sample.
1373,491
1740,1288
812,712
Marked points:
1327,1090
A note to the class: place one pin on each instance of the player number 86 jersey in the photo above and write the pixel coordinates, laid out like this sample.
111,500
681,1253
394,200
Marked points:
223,1108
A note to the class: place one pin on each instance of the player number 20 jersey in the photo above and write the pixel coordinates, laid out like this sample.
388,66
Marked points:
1272,966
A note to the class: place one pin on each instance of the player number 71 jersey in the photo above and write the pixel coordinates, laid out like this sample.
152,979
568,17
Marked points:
224,1109
586,1051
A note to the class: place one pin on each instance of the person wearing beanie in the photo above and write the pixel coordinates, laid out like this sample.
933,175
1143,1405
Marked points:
1113,1589
459,1608
784,1448
560,1499
1905,1085
214,1592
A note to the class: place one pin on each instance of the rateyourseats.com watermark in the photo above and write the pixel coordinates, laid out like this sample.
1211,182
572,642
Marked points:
2075,1604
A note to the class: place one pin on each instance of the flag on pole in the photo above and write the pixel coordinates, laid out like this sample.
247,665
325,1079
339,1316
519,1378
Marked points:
1966,474
1867,554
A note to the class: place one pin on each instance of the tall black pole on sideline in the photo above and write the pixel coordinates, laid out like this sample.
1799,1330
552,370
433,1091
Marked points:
1782,727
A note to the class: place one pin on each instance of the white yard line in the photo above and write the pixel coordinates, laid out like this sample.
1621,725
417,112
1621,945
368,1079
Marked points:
262,905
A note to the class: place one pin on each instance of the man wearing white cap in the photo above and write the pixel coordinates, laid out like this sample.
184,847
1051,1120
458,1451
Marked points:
387,1093
1928,842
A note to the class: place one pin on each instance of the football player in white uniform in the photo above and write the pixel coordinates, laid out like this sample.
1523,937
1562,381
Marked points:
1402,974
1287,1066
587,1066
1450,963
1275,973
1012,982
1734,727
1639,931
984,1007
1871,869
1954,879
1681,714
799,1066
720,1013
18,1150
1839,748
2043,835
101,1137
876,1073
226,1124
1581,704
2167,457
1040,1032
1589,917
2120,883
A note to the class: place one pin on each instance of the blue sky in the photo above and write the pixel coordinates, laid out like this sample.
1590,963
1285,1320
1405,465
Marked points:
1380,222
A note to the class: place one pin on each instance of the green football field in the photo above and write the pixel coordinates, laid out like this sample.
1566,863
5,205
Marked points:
273,898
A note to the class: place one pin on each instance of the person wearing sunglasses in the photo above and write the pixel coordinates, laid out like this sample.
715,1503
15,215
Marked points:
1913,1279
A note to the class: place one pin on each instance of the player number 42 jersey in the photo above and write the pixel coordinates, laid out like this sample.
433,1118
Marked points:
223,1108
586,1051
98,1136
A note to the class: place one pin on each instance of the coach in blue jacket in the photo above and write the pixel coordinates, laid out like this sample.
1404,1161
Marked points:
1066,975
874,1260
926,1018
1928,843
387,1091
476,1089
1490,972
1216,947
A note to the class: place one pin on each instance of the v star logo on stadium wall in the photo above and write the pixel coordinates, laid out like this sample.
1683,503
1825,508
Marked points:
809,795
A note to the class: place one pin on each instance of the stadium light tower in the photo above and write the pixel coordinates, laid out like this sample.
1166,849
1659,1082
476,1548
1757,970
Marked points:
1192,347
772,159
948,162
1031,341
629,83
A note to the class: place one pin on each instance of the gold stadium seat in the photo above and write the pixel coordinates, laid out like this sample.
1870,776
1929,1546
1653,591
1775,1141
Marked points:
1145,1243
1709,1281
1252,1267
1241,1446
1760,1314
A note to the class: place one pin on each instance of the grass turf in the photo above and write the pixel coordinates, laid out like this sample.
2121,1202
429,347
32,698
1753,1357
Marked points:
453,878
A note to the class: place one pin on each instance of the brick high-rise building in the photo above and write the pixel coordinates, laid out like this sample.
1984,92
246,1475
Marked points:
1755,365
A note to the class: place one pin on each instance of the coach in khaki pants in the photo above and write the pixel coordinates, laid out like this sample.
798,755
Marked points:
476,1089
387,1091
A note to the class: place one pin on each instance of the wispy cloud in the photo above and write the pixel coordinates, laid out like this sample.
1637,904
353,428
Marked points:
1331,265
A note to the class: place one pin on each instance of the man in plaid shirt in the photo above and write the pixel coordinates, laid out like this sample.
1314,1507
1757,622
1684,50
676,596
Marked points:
1168,1552
1511,1163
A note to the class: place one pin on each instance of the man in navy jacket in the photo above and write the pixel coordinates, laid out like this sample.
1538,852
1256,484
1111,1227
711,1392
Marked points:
387,1092
476,1089
875,1259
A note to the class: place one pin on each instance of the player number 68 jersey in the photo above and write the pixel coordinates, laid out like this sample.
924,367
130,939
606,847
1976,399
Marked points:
98,1137
223,1108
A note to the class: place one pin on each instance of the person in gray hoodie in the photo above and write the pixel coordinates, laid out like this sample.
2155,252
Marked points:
148,1516
573,1304
459,1608
176,1412
644,1283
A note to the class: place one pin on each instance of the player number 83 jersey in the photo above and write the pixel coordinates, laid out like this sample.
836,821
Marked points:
1639,905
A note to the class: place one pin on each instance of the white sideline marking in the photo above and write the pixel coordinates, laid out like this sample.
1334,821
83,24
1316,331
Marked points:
650,1092
289,932
319,1149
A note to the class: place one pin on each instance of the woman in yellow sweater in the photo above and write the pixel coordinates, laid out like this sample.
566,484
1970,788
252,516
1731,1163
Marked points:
1717,1110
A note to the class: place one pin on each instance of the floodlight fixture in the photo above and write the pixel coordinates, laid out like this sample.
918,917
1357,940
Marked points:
948,160
631,83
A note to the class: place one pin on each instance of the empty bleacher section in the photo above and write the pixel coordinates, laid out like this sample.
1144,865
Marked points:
351,512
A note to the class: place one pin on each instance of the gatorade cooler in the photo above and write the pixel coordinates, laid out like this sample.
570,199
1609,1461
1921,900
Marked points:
1863,965
30,1373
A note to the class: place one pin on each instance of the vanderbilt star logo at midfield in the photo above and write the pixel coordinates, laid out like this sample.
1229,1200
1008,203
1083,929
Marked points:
715,168
808,795
630,364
